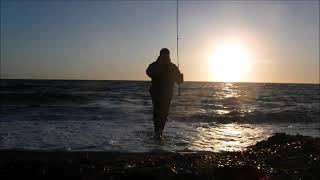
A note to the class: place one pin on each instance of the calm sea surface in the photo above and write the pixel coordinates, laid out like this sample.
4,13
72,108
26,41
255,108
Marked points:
117,115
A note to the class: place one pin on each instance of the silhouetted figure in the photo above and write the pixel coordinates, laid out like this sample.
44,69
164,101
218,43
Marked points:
163,74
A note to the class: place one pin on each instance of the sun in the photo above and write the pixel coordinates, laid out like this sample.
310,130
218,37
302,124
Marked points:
229,62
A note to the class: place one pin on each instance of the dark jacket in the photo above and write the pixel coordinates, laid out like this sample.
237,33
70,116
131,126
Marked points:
163,74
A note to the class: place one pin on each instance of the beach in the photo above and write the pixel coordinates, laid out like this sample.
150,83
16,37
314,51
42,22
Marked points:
280,157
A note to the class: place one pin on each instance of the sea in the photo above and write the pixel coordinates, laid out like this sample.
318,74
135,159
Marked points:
88,115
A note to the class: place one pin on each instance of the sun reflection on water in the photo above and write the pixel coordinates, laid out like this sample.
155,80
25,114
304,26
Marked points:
230,91
227,137
221,111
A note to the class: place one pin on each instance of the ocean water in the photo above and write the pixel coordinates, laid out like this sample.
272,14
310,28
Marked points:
117,115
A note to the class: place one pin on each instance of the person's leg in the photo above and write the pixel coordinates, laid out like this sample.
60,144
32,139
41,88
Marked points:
156,117
157,131
162,124
165,106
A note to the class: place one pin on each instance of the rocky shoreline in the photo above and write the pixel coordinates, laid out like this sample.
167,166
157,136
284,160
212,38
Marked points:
280,157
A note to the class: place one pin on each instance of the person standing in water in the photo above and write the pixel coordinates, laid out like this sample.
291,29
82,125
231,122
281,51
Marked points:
163,74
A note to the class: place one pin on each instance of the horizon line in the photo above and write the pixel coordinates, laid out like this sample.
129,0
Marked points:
49,79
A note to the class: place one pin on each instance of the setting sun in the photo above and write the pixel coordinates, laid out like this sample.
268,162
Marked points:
229,62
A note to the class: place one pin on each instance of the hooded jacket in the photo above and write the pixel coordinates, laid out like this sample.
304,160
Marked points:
163,74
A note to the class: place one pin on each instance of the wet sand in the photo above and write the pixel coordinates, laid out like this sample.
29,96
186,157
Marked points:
280,157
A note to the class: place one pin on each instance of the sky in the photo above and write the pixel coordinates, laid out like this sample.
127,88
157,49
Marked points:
117,40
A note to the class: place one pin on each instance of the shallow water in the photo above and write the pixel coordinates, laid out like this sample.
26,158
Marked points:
117,115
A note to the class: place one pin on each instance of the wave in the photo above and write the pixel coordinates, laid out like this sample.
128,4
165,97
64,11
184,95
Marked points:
254,117
200,102
42,98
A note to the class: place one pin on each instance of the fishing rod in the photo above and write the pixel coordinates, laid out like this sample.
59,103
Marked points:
178,41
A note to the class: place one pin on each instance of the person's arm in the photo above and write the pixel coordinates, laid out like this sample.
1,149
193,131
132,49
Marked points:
180,78
149,71
153,71
178,75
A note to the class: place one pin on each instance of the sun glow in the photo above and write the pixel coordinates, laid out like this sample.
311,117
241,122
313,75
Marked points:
229,62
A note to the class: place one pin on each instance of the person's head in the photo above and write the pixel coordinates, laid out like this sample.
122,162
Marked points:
164,52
